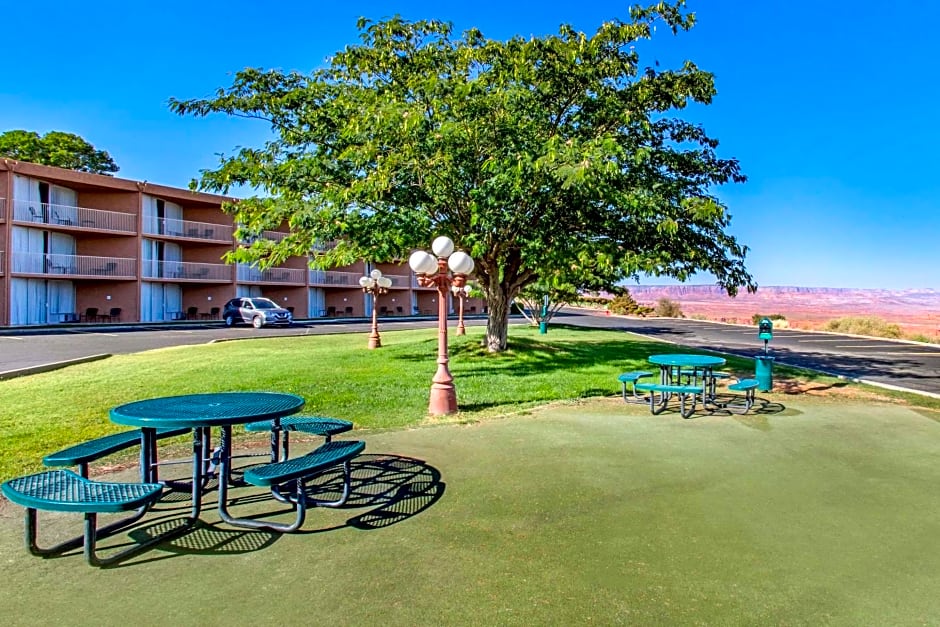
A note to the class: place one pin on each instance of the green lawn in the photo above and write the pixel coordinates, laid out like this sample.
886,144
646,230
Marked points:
336,374
592,512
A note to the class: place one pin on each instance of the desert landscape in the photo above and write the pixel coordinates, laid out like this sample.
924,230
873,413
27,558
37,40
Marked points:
916,311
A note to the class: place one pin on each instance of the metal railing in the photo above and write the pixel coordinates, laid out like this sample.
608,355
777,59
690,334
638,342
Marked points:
74,265
326,277
270,275
274,236
77,217
399,281
319,247
3,209
188,228
185,270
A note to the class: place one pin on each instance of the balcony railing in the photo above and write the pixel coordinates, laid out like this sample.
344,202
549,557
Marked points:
3,209
326,277
185,270
270,275
75,265
77,217
189,229
399,281
275,236
321,247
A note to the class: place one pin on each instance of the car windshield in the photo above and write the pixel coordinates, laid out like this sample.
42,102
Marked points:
263,303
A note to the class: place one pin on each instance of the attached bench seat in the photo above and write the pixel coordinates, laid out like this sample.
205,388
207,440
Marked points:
748,386
82,454
297,471
632,378
665,390
316,425
66,491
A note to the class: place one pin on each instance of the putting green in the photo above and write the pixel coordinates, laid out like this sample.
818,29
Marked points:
824,513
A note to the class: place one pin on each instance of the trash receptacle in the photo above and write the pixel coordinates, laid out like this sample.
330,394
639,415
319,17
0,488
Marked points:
764,372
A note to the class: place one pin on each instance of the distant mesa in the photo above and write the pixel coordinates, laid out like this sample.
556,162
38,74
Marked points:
918,310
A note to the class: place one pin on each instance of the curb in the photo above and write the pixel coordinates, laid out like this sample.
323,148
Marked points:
12,374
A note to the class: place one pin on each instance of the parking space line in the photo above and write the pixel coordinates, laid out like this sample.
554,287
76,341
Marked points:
887,345
13,337
838,339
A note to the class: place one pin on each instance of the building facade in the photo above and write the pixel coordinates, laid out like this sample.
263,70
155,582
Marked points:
78,247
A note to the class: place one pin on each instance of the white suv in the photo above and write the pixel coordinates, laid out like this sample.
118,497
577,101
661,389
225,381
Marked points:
258,311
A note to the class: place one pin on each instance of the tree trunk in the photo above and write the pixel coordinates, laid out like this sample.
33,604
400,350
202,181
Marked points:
497,324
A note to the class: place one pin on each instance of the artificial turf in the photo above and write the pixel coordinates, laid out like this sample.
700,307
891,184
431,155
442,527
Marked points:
804,512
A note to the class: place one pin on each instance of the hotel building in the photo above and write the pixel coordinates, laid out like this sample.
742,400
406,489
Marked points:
78,247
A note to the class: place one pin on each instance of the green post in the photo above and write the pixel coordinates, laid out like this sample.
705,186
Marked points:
543,324
764,364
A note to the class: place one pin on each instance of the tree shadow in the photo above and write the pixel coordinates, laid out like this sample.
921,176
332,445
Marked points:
532,355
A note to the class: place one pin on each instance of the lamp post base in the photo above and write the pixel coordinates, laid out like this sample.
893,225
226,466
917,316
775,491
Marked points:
443,399
375,341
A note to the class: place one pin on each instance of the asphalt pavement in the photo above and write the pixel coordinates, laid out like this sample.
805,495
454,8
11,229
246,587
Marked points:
904,365
889,363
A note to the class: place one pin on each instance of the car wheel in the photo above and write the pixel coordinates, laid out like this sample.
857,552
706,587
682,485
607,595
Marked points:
257,322
230,320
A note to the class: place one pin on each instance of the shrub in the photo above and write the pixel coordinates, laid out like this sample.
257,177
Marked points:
666,308
864,325
624,304
756,318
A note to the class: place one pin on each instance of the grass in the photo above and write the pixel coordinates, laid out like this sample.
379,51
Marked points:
336,374
590,512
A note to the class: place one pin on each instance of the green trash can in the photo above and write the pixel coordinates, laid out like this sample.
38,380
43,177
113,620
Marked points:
764,372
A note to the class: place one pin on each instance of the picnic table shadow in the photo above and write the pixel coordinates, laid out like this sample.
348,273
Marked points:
394,488
761,407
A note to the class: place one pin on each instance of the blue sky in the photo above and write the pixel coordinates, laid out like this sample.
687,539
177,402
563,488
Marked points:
829,106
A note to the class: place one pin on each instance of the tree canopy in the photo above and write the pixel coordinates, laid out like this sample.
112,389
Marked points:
556,156
62,150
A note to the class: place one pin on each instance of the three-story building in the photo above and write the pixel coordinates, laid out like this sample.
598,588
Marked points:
79,247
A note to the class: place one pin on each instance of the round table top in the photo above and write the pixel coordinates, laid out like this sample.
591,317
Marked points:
693,361
206,410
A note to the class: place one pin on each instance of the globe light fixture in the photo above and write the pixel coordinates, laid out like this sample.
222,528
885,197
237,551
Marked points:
375,284
445,269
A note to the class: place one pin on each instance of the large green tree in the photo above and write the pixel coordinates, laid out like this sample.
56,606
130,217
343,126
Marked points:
538,156
62,150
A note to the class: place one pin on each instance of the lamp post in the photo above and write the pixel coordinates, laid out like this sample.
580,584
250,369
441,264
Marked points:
432,271
375,284
460,293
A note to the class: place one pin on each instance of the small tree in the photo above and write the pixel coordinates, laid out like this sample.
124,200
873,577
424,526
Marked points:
624,304
62,150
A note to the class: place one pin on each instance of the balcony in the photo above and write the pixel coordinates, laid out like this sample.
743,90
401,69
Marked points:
274,236
399,281
186,270
75,266
322,247
249,274
74,217
336,279
208,231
